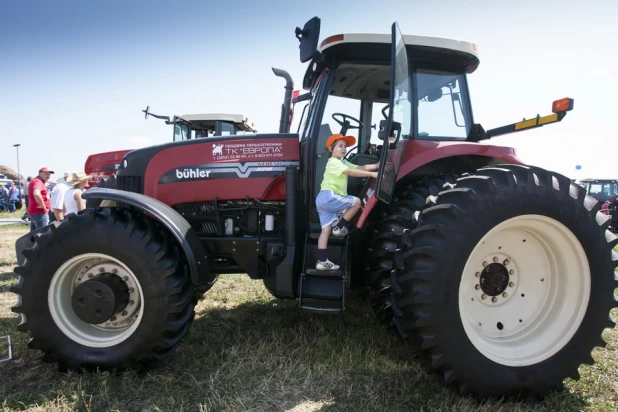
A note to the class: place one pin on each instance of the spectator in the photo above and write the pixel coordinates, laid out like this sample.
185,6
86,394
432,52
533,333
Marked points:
57,197
25,216
39,205
12,197
73,201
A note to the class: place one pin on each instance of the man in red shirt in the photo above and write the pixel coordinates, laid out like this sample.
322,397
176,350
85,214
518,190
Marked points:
38,205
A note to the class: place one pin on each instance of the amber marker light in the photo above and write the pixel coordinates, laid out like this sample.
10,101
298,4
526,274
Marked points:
562,105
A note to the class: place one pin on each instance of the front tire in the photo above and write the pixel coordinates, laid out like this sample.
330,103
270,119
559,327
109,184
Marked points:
508,283
131,263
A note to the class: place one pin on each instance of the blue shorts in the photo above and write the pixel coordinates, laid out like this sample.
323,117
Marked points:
330,206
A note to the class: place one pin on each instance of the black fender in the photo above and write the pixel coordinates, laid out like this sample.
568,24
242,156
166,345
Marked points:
174,222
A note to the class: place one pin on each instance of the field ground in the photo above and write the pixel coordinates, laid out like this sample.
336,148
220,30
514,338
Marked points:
249,351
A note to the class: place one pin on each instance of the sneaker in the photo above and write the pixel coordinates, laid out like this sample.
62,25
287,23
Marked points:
326,265
337,231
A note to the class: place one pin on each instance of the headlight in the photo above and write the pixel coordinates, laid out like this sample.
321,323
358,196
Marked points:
125,162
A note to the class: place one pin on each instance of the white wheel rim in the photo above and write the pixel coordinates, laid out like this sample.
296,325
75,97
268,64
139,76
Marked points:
544,300
76,271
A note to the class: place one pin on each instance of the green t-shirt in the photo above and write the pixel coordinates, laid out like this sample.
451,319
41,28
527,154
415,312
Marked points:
334,178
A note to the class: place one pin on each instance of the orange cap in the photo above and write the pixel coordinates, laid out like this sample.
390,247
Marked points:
349,140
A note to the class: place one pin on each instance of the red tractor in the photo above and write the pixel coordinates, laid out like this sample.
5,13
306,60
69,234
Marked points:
496,275
103,165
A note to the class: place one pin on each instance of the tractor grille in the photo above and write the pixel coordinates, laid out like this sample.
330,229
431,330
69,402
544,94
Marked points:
203,217
130,183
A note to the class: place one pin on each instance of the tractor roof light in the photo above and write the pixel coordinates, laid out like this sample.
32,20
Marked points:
562,105
332,39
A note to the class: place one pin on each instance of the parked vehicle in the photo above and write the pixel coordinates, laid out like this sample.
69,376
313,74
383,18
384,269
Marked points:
498,276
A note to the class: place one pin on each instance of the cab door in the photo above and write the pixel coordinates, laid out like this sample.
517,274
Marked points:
395,132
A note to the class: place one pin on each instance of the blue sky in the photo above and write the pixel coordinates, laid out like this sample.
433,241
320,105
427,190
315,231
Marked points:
75,75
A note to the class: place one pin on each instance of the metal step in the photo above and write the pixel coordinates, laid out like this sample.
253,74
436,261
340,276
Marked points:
321,308
333,273
331,239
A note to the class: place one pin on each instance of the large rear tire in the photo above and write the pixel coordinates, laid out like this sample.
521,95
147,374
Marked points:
92,258
391,238
508,282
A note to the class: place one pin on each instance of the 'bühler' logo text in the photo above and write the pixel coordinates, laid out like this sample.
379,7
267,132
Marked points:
192,173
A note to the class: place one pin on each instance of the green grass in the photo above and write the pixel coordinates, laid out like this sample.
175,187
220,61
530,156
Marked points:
249,351
17,215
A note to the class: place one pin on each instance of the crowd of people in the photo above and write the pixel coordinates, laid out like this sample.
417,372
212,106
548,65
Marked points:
50,200
9,197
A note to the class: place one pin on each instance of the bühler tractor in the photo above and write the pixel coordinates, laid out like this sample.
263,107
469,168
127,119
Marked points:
497,276
189,126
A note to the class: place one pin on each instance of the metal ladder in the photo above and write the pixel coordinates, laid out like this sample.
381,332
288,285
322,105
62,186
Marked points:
324,276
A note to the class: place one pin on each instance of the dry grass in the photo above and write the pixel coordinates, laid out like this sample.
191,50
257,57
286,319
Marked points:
248,351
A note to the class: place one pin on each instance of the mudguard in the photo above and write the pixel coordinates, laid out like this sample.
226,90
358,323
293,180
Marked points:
181,229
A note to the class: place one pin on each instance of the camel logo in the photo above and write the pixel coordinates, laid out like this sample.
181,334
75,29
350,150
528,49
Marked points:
217,149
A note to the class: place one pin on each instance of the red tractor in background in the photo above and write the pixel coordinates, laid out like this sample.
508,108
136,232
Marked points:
189,126
496,275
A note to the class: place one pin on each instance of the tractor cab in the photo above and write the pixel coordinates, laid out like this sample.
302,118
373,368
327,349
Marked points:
376,85
196,126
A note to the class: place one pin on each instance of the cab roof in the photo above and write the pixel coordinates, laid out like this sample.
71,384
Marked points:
207,120
374,48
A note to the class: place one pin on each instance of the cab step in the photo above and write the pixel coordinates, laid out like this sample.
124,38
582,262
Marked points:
321,308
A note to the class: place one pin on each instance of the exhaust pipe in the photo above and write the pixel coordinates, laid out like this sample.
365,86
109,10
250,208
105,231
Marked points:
284,123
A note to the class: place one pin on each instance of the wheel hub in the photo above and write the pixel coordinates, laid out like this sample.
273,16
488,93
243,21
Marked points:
494,279
96,300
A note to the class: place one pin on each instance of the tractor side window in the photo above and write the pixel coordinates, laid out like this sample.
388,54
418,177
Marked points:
311,115
227,129
442,113
181,132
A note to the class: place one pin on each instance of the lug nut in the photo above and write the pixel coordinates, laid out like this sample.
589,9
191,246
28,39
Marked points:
505,294
494,299
131,302
114,271
496,259
101,270
506,262
511,272
125,278
483,296
131,290
511,284
124,313
477,287
89,275
484,264
477,274
113,318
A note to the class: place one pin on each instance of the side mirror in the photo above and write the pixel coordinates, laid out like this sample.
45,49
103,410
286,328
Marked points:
392,135
308,38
